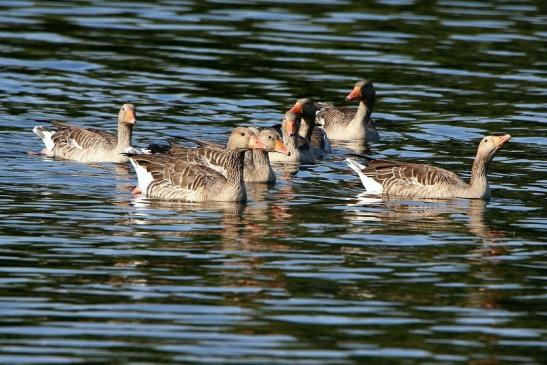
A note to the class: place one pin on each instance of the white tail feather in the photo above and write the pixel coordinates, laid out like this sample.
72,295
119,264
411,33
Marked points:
144,177
371,186
46,135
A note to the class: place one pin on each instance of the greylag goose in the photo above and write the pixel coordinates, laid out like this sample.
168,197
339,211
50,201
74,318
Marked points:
87,144
257,168
299,148
306,108
414,180
346,123
168,177
257,162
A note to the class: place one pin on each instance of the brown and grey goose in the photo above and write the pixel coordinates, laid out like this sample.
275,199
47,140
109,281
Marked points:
299,148
257,162
307,109
169,177
71,142
257,168
347,123
414,180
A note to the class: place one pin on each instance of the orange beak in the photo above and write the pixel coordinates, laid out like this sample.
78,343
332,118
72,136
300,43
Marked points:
354,94
132,117
297,108
281,148
501,140
291,127
255,143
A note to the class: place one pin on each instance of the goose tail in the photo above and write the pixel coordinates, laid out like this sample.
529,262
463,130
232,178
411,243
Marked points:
372,186
46,135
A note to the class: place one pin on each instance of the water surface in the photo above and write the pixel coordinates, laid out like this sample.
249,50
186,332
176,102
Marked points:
306,272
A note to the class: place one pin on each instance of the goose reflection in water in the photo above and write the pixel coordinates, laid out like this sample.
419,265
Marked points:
425,215
240,226
360,147
286,170
123,176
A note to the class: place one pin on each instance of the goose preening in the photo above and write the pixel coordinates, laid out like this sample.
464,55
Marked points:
299,148
414,180
71,142
170,177
346,123
307,109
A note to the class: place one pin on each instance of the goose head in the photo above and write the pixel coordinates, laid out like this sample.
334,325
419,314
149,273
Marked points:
244,138
291,123
489,145
127,115
363,90
273,142
305,107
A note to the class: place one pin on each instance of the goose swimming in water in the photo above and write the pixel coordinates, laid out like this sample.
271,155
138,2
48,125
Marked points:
71,142
412,180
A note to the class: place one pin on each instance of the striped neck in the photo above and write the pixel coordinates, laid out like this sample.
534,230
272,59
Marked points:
125,134
234,164
260,158
478,181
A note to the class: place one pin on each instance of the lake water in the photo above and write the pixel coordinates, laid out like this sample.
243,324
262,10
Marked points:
306,272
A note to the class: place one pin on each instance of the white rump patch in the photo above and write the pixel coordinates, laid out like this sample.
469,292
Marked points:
144,177
372,186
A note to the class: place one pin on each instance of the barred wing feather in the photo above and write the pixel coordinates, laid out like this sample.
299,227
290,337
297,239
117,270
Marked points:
394,173
69,136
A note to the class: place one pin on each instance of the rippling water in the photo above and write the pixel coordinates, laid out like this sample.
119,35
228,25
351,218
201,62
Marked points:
306,272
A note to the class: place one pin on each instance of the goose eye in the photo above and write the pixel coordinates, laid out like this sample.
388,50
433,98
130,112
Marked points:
242,134
486,140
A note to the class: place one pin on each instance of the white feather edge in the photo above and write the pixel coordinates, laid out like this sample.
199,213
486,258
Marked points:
372,186
75,144
46,136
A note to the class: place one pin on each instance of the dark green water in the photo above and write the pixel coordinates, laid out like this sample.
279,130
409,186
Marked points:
305,272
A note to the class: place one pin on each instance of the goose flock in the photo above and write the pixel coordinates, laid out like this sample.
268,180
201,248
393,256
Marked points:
213,172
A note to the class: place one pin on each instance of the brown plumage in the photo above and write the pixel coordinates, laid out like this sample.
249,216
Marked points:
425,181
298,147
257,164
345,123
306,108
71,142
172,177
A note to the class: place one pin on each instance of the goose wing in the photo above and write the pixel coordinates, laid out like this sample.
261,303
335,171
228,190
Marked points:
70,136
390,173
198,142
209,155
319,139
329,116
168,172
189,176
